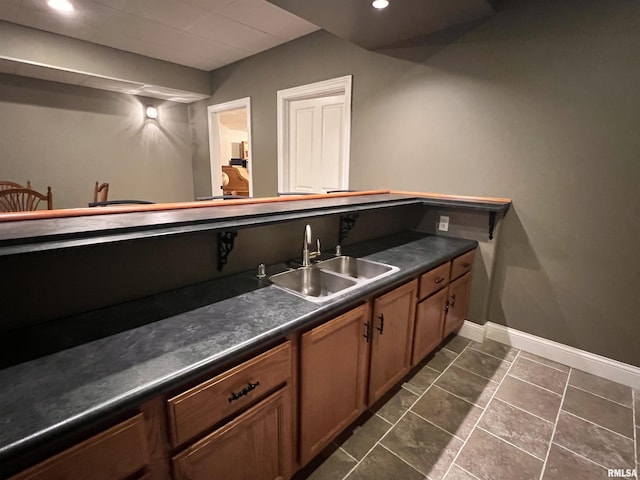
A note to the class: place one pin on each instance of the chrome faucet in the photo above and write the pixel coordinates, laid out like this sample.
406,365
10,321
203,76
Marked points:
306,254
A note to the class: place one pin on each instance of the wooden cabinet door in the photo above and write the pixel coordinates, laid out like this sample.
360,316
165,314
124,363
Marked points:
333,376
116,453
254,446
427,335
458,306
392,333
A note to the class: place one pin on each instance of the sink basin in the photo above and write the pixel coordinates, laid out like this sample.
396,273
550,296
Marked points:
330,278
313,283
356,267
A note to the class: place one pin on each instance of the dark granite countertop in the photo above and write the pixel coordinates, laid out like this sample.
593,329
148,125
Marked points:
169,338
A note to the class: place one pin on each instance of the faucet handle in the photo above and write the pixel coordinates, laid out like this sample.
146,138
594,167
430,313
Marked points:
338,250
318,252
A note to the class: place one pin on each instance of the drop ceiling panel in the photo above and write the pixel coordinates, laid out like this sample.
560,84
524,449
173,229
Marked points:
403,20
266,17
176,14
203,34
211,5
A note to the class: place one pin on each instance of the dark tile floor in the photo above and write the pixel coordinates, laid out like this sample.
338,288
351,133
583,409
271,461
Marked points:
490,412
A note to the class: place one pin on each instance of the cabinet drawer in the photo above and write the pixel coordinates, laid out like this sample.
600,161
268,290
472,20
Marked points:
462,264
204,405
114,454
256,445
434,280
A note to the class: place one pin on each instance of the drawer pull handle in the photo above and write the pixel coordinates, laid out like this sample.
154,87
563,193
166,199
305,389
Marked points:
245,391
453,300
439,280
466,265
446,306
367,330
380,327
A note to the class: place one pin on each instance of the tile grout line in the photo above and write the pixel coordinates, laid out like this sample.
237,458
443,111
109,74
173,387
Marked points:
481,376
347,454
555,426
536,385
376,414
605,398
509,443
523,410
404,414
402,459
438,426
550,366
579,455
597,425
490,355
458,397
464,444
467,472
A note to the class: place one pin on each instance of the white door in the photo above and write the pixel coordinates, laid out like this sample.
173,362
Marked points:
314,136
316,144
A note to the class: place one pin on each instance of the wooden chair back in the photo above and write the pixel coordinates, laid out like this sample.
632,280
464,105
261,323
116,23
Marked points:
6,184
24,199
101,192
238,181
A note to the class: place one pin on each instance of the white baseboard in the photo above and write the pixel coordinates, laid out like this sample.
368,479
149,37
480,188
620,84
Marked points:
472,331
582,360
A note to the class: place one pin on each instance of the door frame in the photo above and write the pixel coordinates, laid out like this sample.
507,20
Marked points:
213,121
325,88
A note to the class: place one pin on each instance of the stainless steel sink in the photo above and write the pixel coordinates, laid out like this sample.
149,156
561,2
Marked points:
312,283
330,278
356,267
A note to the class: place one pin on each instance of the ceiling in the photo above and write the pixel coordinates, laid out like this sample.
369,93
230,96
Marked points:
208,34
401,21
234,119
203,34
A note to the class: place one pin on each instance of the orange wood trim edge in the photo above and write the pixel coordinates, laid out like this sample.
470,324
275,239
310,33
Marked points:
81,212
443,196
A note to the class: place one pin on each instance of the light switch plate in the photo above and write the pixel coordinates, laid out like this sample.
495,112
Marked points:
443,225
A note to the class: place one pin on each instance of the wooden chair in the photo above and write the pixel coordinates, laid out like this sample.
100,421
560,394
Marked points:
101,192
238,181
6,184
24,199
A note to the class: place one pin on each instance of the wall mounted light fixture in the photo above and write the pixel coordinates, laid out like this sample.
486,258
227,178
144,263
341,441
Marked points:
151,112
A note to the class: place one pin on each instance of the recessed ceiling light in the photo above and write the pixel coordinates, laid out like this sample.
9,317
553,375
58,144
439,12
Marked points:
380,4
61,5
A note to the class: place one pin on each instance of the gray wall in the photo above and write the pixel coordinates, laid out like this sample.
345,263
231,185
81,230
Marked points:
540,104
78,280
68,137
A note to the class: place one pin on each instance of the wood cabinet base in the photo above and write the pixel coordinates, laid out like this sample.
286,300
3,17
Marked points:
256,445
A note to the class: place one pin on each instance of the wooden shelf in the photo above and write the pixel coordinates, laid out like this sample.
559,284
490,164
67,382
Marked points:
45,231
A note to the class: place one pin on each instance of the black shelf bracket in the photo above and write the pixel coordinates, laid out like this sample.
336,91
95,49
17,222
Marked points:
347,222
225,245
492,224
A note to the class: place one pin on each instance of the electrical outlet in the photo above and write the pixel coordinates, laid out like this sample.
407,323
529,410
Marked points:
443,226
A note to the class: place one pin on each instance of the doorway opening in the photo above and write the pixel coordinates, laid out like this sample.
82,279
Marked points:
314,136
230,148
